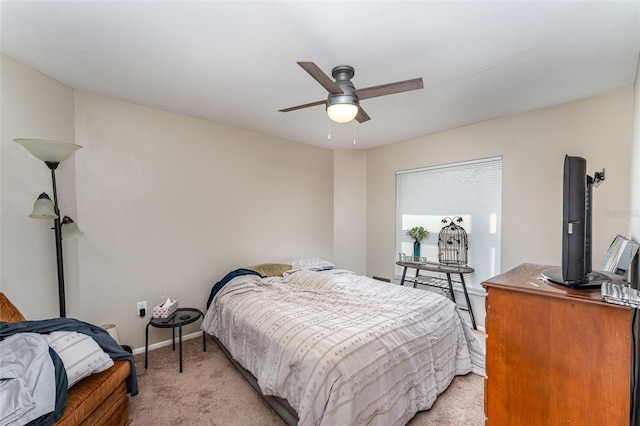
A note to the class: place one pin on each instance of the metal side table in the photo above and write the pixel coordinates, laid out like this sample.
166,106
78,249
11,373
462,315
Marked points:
181,317
441,283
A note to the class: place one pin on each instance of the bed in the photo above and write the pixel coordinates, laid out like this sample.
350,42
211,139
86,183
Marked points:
339,348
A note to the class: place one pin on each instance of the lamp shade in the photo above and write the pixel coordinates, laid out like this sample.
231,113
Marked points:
43,208
49,151
70,230
342,113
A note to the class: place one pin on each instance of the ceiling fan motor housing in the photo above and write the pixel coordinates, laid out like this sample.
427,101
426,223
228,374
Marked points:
343,75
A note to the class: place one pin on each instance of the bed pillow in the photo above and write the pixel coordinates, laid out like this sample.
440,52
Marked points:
312,264
80,354
271,269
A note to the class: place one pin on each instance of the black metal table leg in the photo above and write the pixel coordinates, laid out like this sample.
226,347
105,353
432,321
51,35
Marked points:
404,274
466,296
180,327
146,345
204,342
452,295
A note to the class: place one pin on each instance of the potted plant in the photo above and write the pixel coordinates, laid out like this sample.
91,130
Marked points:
417,233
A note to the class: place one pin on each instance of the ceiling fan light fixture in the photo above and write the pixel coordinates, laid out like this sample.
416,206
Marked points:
342,113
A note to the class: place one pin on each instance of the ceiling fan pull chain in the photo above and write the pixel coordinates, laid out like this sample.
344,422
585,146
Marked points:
329,136
354,134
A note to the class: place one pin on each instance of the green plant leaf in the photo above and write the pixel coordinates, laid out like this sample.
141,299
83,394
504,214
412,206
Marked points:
417,233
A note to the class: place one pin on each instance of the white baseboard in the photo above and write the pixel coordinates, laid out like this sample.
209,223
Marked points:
167,342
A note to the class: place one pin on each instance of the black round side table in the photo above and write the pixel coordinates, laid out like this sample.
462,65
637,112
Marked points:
181,317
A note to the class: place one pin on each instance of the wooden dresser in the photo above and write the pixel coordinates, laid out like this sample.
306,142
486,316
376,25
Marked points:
555,355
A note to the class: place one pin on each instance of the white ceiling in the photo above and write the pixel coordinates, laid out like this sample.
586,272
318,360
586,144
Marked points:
235,62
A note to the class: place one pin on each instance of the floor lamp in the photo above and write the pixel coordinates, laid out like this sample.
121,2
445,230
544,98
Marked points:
53,153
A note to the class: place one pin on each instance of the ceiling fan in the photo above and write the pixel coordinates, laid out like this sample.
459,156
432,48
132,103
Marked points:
343,102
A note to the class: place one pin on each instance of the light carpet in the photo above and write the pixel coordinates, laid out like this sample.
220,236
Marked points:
210,391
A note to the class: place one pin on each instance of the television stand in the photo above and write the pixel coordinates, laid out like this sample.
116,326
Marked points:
555,355
595,279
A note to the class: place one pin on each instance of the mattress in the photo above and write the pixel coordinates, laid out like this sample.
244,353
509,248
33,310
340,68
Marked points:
342,348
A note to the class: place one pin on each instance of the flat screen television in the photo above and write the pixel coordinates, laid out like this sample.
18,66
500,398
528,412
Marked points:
577,208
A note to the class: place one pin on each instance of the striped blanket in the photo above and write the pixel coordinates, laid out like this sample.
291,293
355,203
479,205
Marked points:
344,349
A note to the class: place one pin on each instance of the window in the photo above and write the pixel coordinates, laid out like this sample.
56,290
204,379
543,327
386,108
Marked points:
471,190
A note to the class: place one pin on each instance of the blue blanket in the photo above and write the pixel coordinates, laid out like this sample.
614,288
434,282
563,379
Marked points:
231,275
100,335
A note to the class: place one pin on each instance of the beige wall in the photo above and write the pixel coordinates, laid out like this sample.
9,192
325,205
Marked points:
168,204
350,210
533,146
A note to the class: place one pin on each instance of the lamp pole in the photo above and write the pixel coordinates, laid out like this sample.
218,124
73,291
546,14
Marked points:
57,227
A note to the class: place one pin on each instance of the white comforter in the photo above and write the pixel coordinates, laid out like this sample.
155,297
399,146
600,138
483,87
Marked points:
344,349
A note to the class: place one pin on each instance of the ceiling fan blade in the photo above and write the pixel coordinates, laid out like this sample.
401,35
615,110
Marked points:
362,115
324,80
389,88
303,106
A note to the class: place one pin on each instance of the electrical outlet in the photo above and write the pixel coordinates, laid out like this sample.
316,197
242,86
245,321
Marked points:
141,308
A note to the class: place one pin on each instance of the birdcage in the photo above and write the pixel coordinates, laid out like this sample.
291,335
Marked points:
452,242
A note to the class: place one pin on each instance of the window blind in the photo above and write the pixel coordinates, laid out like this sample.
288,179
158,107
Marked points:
471,190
